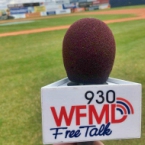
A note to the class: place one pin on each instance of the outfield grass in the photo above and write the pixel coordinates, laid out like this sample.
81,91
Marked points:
28,62
57,21
129,64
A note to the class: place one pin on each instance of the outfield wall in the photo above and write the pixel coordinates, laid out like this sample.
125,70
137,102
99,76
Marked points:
120,3
13,10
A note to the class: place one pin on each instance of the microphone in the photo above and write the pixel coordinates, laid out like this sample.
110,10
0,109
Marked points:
84,114
88,51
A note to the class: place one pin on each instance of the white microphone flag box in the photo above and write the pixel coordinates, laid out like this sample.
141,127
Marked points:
91,112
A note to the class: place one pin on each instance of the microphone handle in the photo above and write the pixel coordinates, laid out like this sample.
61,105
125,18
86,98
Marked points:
85,143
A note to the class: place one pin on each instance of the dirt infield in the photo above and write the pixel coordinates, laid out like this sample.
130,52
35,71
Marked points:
140,14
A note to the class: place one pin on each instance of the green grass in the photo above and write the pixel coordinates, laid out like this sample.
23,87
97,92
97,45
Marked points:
28,62
129,64
57,21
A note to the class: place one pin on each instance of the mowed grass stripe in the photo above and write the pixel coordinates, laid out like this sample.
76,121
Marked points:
58,21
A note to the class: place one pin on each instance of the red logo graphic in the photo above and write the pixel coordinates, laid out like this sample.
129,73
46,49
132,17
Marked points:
91,113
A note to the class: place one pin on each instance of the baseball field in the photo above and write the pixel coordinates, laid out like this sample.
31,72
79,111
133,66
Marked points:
31,57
